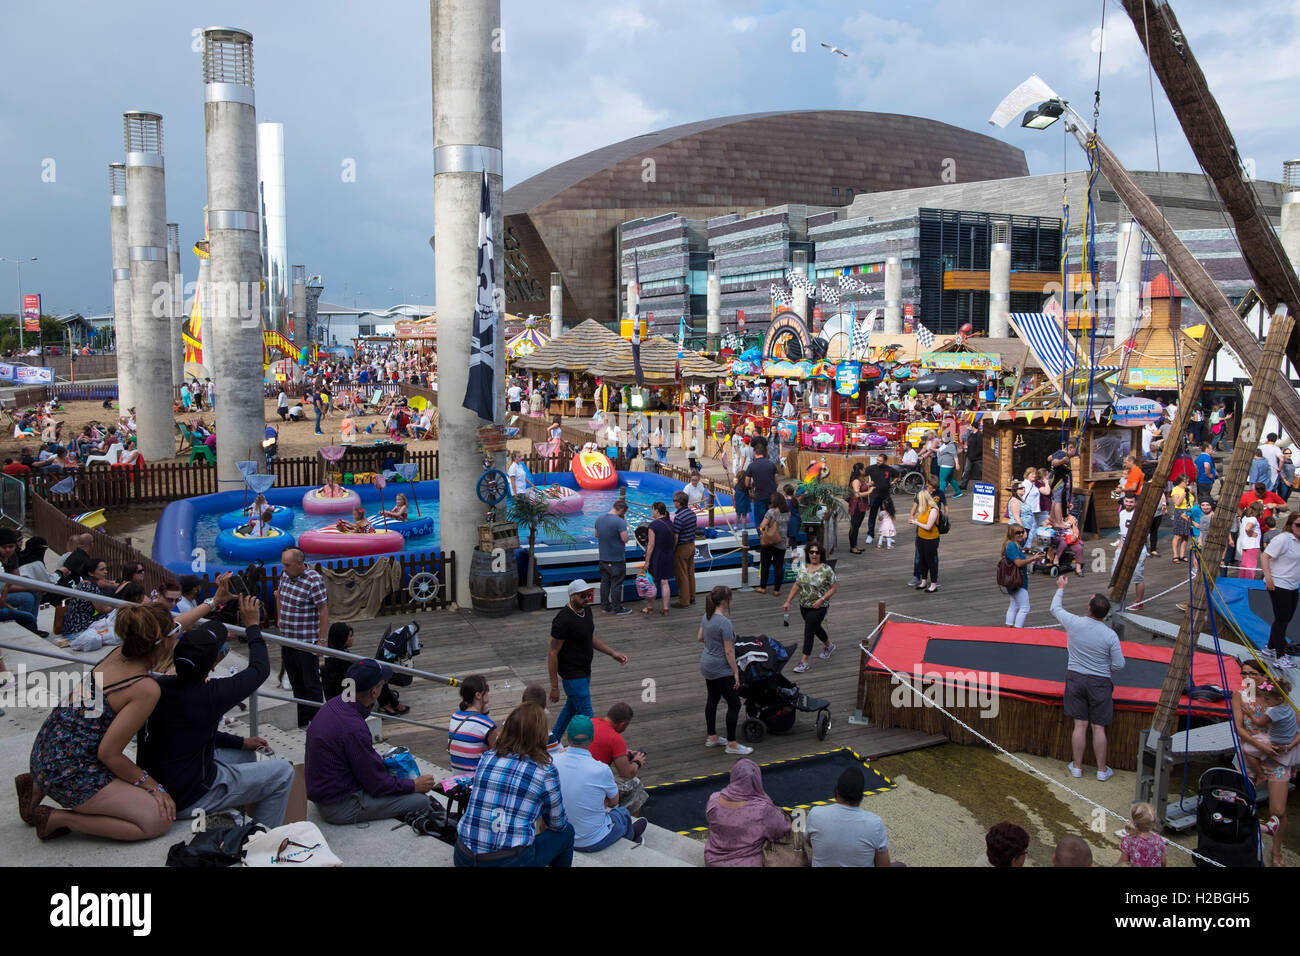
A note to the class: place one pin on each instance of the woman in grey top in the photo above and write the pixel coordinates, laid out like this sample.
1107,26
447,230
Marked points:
718,665
947,456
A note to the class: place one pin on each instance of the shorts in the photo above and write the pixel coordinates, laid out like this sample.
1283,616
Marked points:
1089,698
1139,571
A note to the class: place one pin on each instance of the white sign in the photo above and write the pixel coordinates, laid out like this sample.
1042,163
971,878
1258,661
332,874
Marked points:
985,504
562,391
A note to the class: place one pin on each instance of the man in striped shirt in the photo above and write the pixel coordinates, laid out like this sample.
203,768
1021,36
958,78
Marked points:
685,524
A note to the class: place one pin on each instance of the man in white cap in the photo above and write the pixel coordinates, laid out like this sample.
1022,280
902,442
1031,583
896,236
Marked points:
573,645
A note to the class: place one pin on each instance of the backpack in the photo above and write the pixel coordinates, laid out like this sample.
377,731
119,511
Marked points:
1010,576
221,847
944,525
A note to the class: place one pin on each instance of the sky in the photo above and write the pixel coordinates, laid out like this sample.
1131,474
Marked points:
351,84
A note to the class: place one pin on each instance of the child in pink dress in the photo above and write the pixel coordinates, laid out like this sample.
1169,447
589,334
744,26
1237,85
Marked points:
885,530
1141,845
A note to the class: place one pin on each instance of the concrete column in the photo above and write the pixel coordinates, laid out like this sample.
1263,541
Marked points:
466,45
1128,270
234,326
893,295
1000,281
557,306
146,228
1290,229
275,255
713,328
299,305
121,284
205,311
177,281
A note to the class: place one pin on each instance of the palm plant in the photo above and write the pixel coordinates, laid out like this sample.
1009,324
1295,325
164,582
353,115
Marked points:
825,503
533,511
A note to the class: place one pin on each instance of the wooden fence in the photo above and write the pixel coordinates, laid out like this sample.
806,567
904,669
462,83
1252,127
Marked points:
47,521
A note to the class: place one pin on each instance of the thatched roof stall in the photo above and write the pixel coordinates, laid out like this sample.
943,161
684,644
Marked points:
658,363
579,348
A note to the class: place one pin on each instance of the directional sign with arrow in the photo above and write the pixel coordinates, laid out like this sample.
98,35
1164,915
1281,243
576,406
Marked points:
985,504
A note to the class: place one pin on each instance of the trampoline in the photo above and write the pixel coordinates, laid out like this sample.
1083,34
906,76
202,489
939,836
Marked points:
1247,603
798,783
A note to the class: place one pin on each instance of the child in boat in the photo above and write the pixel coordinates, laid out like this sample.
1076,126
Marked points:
398,511
358,524
1141,845
259,505
332,488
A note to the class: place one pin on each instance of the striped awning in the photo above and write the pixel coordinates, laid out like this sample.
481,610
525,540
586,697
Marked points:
1053,347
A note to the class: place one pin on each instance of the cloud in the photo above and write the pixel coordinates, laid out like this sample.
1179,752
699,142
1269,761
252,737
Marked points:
743,24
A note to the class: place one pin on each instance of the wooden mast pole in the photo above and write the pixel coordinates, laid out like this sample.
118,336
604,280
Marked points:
1213,547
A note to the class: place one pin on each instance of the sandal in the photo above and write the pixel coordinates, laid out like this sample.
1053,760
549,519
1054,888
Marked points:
646,611
855,550
29,797
664,613
397,711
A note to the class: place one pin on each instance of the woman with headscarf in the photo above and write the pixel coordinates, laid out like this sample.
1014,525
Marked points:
741,817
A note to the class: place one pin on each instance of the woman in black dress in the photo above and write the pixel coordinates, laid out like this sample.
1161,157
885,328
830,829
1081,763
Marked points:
659,556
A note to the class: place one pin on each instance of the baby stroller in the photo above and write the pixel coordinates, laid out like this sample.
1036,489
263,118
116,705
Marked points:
772,701
1227,819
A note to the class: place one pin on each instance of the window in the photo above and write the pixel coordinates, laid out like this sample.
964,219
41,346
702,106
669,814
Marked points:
835,192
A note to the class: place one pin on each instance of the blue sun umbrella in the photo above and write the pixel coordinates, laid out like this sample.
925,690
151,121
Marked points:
408,470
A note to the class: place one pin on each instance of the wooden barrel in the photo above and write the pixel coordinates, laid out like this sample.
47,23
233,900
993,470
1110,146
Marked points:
492,592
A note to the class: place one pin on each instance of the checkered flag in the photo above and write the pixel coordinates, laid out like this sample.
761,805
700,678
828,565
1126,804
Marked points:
730,341
800,281
849,284
830,294
860,338
780,296
924,337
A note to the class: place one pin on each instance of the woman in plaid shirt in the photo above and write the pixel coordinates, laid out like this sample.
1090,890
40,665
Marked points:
513,787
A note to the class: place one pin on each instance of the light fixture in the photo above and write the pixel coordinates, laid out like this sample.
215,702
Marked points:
1043,115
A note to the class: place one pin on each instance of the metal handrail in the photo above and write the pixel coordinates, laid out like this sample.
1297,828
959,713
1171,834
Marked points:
27,584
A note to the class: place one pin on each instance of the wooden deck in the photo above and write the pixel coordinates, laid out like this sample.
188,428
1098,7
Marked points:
662,682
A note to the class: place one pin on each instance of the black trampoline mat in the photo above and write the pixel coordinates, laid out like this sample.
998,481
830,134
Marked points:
1260,605
1033,661
798,782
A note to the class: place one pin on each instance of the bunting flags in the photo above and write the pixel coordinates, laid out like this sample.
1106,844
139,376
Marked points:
830,294
480,390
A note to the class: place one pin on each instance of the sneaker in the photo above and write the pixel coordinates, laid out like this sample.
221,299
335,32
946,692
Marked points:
891,546
933,587
801,667
1136,607
1269,653
1104,775
1285,662
914,582
638,830
869,539
1270,825
740,750
828,650
959,495
621,611
284,683
714,743
1074,771
1181,607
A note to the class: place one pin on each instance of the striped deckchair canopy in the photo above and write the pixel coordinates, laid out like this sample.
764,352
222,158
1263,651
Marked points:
1053,347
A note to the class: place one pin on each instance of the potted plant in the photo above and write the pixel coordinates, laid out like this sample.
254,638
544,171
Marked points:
823,506
533,511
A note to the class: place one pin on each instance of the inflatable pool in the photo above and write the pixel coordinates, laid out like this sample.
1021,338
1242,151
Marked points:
564,501
244,547
281,517
593,471
315,504
722,515
410,528
331,541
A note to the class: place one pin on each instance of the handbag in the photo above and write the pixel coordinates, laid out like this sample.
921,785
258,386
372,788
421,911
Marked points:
220,847
294,844
788,851
770,535
1011,577
645,586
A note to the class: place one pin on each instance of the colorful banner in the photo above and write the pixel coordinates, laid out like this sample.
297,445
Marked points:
848,375
964,361
1163,379
562,391
26,374
31,313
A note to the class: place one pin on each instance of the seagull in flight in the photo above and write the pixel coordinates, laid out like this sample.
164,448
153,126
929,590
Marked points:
834,49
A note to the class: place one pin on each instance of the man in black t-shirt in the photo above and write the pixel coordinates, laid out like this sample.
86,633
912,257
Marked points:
880,481
573,645
762,480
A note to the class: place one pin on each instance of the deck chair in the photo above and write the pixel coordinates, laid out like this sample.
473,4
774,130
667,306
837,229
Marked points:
187,439
110,457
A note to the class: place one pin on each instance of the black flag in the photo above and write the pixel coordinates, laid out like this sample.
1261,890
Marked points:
482,356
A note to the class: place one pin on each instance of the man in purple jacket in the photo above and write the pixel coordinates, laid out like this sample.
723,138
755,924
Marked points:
345,777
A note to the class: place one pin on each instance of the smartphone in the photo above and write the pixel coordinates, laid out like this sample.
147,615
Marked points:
238,586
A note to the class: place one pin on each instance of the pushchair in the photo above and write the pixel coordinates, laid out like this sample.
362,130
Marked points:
772,701
1227,819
